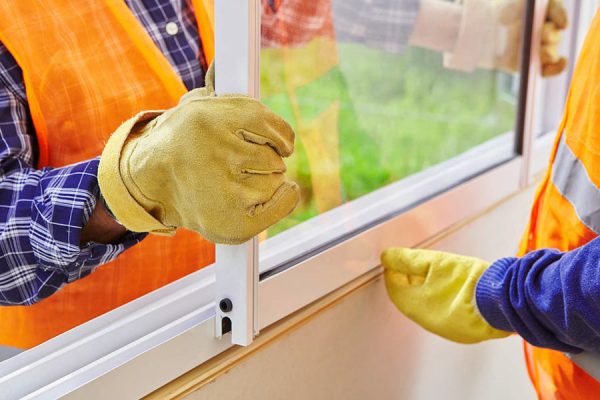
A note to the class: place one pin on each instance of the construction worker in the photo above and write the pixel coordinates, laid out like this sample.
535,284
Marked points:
550,293
77,81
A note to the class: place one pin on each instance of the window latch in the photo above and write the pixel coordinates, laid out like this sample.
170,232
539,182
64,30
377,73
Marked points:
237,292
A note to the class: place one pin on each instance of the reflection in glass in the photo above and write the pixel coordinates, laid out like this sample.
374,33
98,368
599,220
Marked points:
374,97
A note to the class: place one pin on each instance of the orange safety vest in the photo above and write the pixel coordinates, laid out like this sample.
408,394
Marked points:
87,68
566,211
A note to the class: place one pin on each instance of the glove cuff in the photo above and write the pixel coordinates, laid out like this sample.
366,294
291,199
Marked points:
489,296
113,188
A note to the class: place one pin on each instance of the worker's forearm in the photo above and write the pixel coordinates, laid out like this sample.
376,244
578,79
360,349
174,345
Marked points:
45,212
101,227
437,25
551,299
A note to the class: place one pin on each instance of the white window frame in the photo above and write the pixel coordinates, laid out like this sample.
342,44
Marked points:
150,341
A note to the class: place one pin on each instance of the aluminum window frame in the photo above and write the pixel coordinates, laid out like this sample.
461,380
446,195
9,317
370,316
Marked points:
150,341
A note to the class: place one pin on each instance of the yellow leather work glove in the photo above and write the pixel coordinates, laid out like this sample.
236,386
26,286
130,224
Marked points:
212,164
556,21
437,291
499,46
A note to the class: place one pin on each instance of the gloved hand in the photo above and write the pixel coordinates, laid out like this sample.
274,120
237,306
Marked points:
437,291
556,21
211,164
491,34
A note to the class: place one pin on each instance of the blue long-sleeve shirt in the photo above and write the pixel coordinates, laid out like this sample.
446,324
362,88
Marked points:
550,298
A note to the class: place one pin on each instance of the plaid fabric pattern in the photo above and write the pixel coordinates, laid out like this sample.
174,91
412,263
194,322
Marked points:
43,211
292,23
381,24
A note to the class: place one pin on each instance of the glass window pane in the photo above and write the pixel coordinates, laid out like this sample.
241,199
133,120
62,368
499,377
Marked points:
377,91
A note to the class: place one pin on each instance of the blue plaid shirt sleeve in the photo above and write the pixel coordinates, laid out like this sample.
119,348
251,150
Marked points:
42,212
379,24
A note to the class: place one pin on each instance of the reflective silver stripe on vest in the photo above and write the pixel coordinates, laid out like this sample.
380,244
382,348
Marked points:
588,362
573,182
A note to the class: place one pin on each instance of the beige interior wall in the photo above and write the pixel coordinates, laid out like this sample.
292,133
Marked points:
362,348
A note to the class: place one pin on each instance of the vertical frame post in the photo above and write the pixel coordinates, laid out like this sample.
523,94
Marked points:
530,78
237,46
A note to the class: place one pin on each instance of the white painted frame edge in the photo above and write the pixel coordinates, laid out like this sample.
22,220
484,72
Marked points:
237,46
